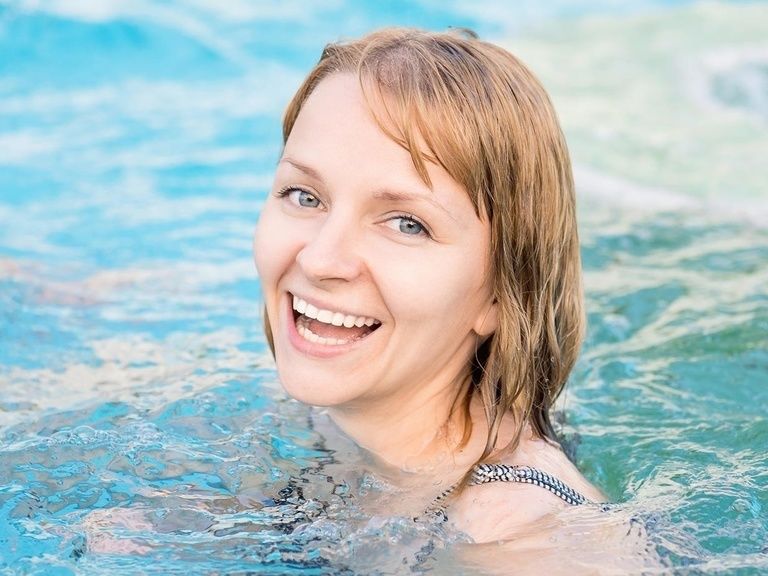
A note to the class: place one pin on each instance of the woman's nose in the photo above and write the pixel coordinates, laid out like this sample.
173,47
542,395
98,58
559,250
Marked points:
332,254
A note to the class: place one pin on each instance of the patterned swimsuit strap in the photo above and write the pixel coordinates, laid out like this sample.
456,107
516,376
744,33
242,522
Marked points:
484,473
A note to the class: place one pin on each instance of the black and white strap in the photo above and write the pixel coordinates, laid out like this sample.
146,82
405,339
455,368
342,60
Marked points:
484,473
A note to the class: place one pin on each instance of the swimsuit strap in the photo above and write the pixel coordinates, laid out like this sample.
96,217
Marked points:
483,473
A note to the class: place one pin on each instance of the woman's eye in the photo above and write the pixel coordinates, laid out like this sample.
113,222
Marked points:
410,226
302,198
307,200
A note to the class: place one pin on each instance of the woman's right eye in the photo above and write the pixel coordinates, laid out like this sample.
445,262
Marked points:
301,197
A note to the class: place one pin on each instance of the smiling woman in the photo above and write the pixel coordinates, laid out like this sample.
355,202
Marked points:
420,267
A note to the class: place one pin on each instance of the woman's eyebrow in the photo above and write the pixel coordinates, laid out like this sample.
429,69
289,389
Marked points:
398,196
308,170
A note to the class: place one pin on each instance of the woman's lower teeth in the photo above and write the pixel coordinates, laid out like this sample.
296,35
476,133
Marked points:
307,334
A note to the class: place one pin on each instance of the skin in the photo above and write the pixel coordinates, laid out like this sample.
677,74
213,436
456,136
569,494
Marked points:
351,227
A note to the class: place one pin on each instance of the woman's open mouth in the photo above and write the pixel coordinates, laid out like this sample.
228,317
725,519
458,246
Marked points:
330,327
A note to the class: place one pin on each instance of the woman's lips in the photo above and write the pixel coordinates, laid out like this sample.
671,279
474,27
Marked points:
322,332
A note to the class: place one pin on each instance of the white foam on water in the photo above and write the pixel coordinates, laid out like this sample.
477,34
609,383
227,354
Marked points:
595,185
135,369
745,65
25,145
259,10
80,128
512,17
186,12
599,185
174,16
239,97
84,10
638,100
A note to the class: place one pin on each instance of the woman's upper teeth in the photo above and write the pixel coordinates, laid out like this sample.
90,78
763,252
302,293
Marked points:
330,317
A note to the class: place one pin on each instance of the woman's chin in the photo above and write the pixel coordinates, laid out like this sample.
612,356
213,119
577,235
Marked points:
313,393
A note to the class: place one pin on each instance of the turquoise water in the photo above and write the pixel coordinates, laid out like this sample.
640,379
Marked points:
142,428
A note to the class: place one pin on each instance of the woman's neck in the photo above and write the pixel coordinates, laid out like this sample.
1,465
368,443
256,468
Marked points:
422,434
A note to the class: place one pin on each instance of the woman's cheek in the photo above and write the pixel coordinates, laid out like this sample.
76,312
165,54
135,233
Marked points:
445,285
267,242
410,280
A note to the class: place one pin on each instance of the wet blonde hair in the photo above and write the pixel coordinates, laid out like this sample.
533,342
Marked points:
477,111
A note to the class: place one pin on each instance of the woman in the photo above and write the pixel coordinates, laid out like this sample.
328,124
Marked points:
419,261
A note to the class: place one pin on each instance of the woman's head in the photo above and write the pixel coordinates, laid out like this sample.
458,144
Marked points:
473,110
352,235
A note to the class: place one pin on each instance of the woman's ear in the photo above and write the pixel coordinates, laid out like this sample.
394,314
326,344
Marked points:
488,320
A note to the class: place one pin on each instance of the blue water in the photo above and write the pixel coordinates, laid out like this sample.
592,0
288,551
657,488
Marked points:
142,427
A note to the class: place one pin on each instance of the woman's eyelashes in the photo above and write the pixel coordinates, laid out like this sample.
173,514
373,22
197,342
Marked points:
409,225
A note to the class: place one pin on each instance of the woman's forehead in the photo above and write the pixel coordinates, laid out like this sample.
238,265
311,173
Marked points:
341,106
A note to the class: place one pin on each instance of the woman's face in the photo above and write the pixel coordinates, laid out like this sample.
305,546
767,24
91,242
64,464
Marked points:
375,285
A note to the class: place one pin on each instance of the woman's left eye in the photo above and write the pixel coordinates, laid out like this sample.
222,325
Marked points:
300,197
409,225
305,199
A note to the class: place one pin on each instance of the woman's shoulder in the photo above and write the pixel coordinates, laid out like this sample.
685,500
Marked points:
526,488
550,458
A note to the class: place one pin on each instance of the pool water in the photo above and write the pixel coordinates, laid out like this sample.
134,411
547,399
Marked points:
142,427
